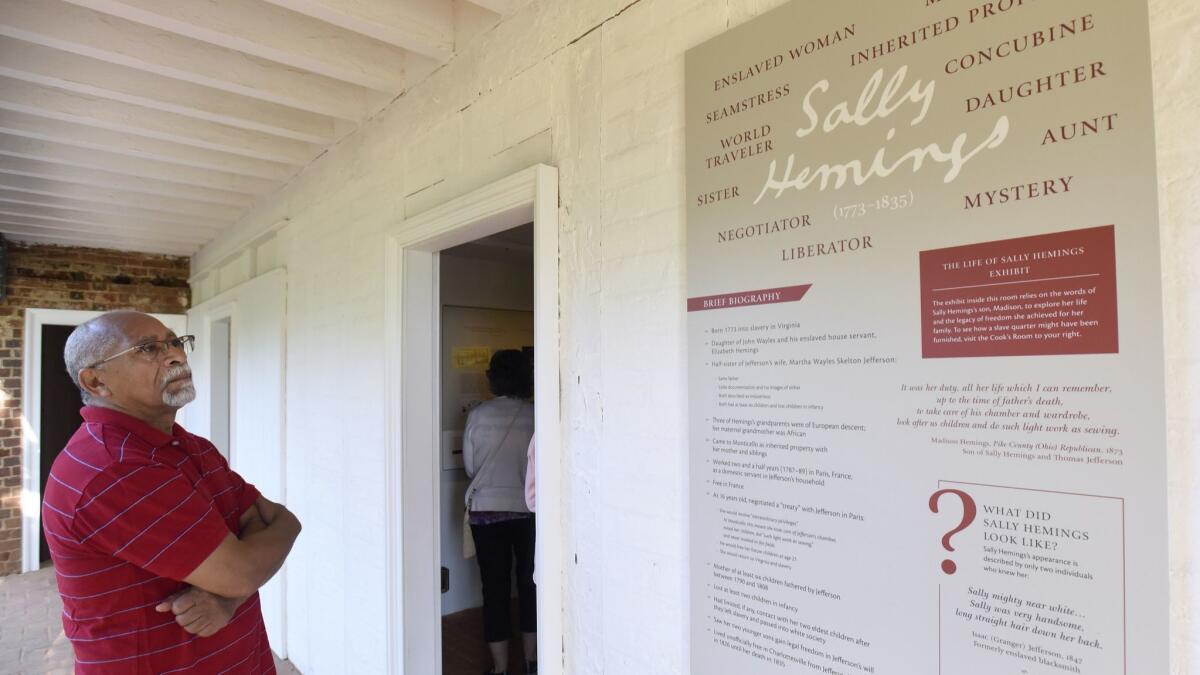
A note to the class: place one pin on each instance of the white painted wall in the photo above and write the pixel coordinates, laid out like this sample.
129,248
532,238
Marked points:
1175,35
593,87
250,316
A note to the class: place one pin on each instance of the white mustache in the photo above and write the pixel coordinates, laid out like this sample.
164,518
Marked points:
175,373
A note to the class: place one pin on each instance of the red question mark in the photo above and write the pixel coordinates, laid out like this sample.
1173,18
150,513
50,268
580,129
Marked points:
968,517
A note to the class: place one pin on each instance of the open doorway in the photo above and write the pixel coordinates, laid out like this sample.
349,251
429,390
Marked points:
220,386
413,431
486,299
59,407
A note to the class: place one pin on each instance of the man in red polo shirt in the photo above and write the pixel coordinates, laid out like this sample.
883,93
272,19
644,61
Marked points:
158,546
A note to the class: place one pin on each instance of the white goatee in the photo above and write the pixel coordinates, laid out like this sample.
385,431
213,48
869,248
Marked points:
185,395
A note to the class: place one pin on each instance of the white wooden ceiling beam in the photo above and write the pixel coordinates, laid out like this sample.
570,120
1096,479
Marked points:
28,227
273,33
39,187
51,219
425,27
131,213
95,138
68,106
57,24
107,179
501,7
58,153
21,234
55,68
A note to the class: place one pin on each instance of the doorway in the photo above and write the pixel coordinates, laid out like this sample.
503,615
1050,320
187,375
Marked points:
412,319
221,401
486,299
50,412
60,406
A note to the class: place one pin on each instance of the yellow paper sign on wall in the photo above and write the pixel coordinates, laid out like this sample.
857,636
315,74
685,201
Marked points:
471,357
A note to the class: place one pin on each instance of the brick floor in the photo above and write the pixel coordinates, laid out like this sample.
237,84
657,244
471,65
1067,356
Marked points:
31,633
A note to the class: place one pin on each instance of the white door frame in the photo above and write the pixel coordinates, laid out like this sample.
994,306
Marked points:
31,417
199,418
411,396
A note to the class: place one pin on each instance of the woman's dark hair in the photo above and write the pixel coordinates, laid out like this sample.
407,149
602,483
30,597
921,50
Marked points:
510,374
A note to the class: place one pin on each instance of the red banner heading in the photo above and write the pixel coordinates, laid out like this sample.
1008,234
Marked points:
767,296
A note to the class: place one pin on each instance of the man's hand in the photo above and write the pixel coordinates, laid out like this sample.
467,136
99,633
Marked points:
198,611
267,509
258,517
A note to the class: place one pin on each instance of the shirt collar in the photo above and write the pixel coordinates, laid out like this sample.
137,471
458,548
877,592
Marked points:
98,415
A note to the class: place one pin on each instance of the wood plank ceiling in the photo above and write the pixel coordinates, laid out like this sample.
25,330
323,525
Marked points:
152,125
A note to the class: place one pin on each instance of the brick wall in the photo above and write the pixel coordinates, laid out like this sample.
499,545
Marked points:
58,277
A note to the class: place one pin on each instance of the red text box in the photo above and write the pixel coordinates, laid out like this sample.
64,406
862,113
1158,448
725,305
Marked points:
1047,294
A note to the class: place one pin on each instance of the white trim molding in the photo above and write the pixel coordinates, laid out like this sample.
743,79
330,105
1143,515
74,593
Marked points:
411,334
230,244
31,423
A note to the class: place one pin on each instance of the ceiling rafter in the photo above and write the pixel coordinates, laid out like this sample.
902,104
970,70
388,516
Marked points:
68,106
70,174
39,236
501,7
95,138
67,225
58,153
63,70
55,23
424,27
272,33
105,196
8,196
51,219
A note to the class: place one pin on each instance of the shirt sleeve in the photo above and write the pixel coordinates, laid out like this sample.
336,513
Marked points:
244,492
531,476
151,517
249,494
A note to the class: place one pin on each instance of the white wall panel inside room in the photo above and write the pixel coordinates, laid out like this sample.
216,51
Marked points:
593,87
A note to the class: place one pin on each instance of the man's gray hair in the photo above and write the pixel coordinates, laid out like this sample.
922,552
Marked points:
90,342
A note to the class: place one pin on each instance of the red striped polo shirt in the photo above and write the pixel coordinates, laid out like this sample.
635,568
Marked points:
129,512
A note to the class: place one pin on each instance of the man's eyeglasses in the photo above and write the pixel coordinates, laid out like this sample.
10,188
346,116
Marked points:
155,349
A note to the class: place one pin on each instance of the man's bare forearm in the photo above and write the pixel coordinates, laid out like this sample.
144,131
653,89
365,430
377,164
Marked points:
269,547
252,521
242,564
262,515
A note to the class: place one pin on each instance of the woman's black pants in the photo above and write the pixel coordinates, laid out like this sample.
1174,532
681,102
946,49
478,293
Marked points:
496,545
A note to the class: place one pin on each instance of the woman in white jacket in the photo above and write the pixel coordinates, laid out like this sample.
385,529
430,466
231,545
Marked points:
495,445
